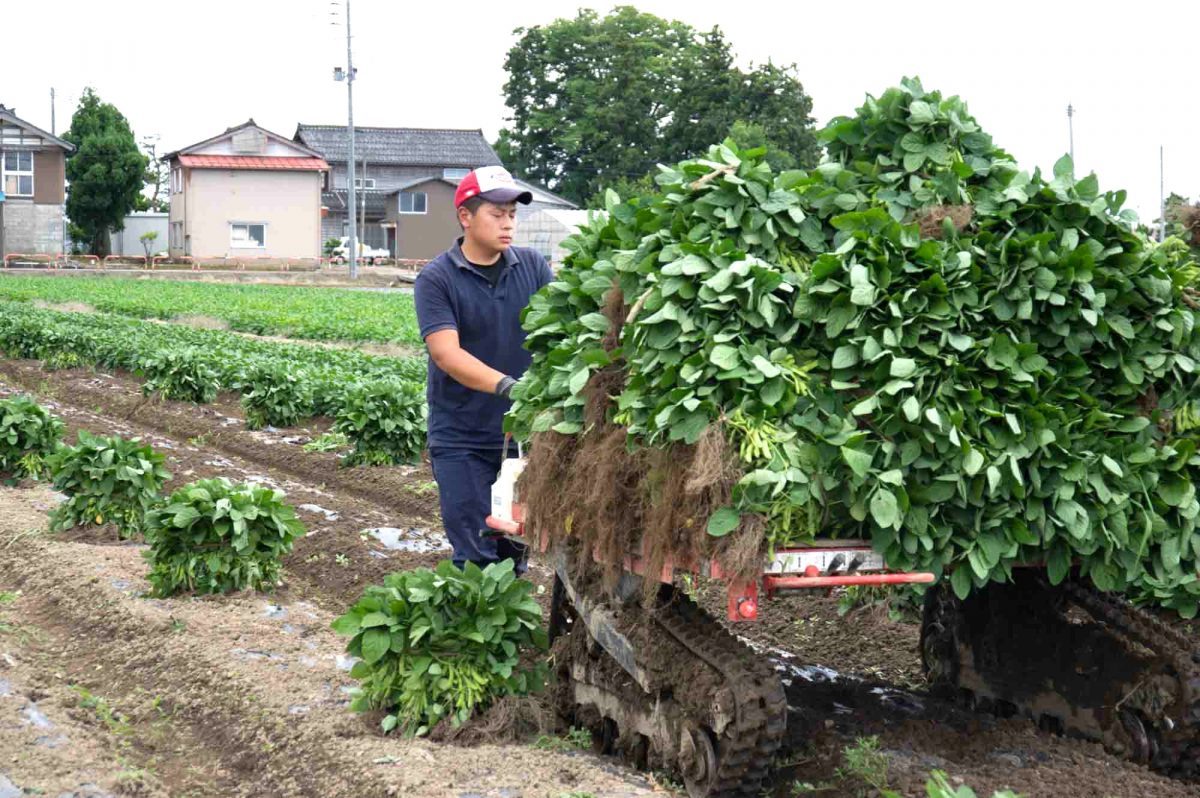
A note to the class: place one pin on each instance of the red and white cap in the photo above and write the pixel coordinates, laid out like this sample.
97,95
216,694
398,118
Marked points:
494,184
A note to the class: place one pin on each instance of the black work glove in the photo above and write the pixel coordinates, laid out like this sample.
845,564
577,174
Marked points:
505,386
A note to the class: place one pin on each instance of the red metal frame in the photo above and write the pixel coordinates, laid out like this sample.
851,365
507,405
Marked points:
742,597
772,584
182,259
49,260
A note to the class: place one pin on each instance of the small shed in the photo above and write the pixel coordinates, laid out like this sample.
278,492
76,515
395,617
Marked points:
128,241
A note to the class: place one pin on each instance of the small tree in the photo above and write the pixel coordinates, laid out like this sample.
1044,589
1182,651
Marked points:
153,195
147,240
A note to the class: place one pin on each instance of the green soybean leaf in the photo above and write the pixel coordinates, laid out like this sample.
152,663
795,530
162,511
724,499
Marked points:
723,521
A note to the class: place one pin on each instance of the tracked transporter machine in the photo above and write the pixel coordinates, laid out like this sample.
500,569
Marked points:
669,687
914,359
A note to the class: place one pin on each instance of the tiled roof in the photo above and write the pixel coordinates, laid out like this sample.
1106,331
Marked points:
401,145
251,162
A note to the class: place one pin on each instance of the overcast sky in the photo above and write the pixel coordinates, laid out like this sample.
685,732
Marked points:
187,70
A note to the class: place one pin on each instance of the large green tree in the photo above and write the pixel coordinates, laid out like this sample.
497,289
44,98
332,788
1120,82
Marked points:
600,100
105,172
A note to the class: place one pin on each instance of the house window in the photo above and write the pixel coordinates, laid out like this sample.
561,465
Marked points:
412,202
364,182
454,173
176,235
247,236
18,173
177,180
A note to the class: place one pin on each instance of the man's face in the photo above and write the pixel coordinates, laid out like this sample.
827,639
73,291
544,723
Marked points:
491,226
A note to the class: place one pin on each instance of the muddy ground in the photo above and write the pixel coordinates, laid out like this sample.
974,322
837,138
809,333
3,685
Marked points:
245,695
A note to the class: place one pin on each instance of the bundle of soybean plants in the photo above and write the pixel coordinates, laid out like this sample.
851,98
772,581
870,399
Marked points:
916,343
29,434
215,536
106,479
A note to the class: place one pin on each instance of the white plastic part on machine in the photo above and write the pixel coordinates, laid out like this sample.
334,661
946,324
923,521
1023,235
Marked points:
504,489
830,558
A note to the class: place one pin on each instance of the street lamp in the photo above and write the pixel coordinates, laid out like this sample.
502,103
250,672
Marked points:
349,74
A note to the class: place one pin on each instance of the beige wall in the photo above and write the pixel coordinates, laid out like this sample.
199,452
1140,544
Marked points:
49,176
288,203
427,235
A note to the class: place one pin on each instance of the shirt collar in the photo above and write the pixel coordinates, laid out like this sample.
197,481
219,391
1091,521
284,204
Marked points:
460,260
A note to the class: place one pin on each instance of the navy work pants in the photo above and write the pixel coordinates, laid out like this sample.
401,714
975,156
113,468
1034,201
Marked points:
464,479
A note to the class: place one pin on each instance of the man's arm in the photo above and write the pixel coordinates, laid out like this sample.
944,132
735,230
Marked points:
463,367
439,328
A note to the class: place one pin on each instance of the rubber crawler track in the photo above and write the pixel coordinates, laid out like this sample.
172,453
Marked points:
1177,754
747,746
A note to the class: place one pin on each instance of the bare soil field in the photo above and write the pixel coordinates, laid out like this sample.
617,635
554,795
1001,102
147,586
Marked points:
105,692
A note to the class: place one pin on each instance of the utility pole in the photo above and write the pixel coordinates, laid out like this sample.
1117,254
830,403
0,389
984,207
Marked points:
348,76
363,209
1071,132
1162,197
53,132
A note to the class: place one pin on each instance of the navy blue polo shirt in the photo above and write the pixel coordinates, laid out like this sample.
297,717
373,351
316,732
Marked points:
451,294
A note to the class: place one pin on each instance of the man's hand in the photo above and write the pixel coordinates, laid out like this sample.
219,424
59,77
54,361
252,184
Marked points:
461,365
505,386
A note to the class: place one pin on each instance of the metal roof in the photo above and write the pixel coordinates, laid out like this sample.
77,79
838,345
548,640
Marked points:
10,116
401,145
252,162
376,201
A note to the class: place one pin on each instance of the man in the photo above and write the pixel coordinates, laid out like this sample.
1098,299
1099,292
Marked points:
469,301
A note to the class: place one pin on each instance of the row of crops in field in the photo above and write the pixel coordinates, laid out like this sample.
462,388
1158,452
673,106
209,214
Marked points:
322,314
468,627
377,402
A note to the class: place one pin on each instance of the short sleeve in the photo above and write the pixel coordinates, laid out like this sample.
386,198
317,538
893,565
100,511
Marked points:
434,309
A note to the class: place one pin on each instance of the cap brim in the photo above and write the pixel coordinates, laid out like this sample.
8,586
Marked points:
503,195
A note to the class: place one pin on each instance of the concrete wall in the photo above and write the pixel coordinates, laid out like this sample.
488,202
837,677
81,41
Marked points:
288,203
32,229
128,241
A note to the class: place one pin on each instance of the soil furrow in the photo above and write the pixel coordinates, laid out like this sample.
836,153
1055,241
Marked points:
243,695
331,565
